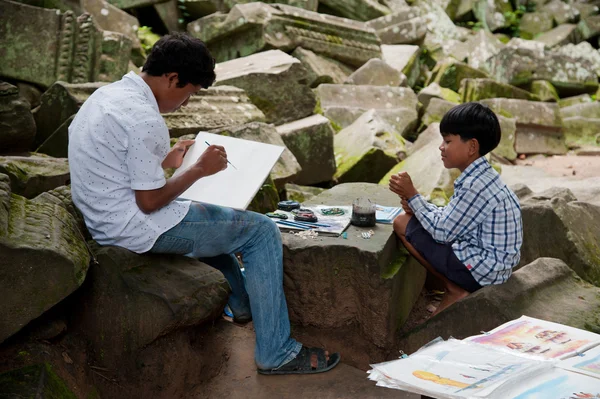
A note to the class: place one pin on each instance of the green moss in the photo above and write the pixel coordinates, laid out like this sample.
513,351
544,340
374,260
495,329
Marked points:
393,267
318,109
33,382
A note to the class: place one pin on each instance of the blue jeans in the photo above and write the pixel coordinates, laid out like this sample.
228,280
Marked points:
213,234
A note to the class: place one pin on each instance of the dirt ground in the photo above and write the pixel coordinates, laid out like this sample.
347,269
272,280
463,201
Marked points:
570,165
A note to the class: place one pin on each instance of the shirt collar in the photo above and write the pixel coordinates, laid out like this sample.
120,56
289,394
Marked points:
137,79
476,167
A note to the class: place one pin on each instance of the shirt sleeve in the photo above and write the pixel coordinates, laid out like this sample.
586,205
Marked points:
146,149
467,209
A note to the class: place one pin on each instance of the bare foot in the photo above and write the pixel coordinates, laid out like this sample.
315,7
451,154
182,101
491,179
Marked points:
453,294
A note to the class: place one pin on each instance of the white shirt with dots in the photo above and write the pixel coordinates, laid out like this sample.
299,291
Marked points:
117,142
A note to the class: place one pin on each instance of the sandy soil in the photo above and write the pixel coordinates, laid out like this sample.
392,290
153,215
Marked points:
577,166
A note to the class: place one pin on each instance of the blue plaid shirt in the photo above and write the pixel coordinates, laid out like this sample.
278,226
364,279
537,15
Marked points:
482,221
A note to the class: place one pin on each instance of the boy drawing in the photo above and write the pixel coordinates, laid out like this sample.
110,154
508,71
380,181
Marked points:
476,239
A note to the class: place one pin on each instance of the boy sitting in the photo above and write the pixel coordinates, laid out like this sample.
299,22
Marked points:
476,239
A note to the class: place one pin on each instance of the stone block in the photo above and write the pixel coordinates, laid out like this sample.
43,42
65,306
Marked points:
129,4
311,141
366,287
215,108
57,145
425,166
492,13
404,58
367,149
581,131
434,90
32,175
58,103
135,299
30,93
256,27
42,46
435,111
534,23
42,256
559,36
301,194
575,231
321,69
17,126
546,289
274,81
481,47
480,89
171,15
586,9
567,102
539,127
110,18
403,26
586,110
506,147
343,104
287,167
584,52
61,196
442,34
36,381
543,90
450,74
520,66
360,10
561,12
589,27
376,73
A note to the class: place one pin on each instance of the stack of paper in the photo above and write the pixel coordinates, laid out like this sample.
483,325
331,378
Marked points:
526,358
386,214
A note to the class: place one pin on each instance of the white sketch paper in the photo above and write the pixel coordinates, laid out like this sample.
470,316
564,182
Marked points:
232,187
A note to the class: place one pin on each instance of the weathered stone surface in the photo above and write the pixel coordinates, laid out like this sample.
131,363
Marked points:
311,141
274,81
266,198
57,145
442,34
30,93
62,196
546,289
41,256
582,98
40,46
538,125
367,149
434,90
582,51
287,167
543,90
321,69
360,10
255,27
367,287
135,299
111,18
301,194
343,104
586,9
435,111
37,381
450,73
376,73
58,103
589,26
217,107
580,130
492,13
32,175
403,26
520,66
506,147
534,23
481,47
404,58
17,127
171,15
586,110
426,168
575,231
480,89
561,12
559,36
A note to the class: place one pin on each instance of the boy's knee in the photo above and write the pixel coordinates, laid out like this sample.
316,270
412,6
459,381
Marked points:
400,223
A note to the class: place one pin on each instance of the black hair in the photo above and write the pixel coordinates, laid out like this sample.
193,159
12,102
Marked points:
184,54
473,121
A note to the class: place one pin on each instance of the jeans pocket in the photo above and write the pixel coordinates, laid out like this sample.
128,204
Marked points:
173,245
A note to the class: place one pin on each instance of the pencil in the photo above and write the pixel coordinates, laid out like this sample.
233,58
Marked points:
227,160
